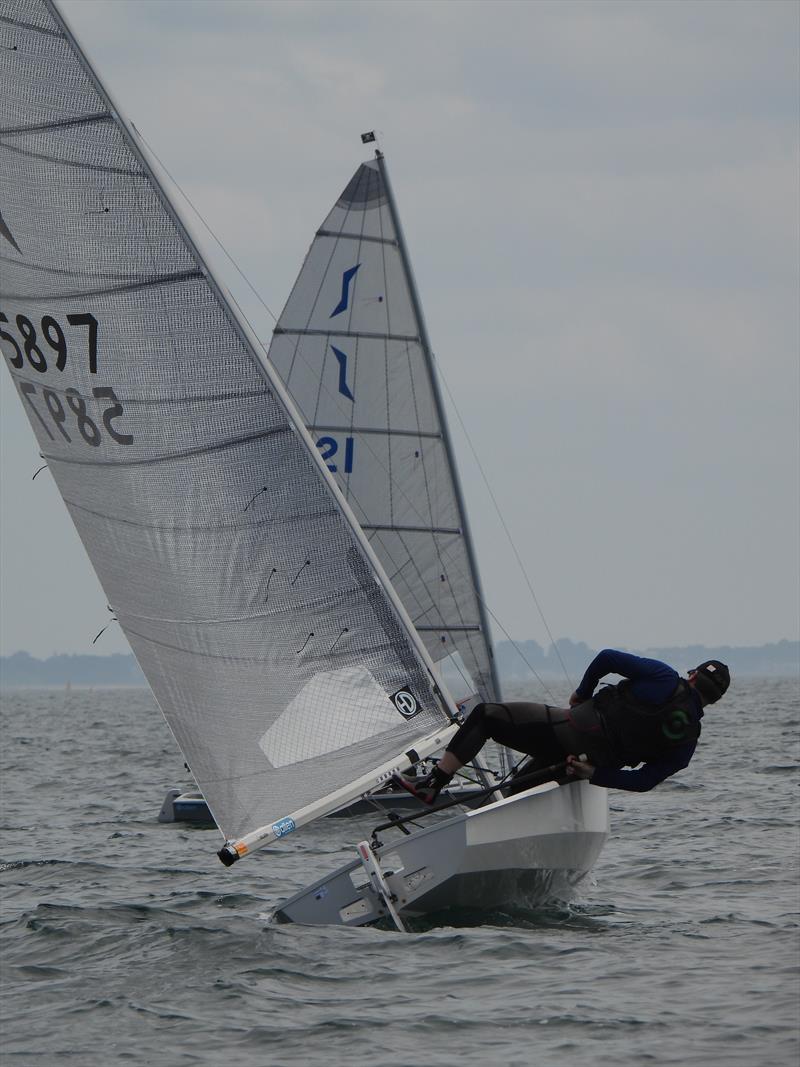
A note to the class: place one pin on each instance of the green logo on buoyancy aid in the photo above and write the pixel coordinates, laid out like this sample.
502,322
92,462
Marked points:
675,727
638,731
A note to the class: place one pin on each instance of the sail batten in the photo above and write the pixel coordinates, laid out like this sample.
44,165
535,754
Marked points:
126,171
395,432
449,629
358,237
124,279
107,290
281,657
359,334
170,457
453,530
56,124
33,27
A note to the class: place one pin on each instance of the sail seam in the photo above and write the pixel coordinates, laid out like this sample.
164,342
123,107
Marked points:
377,432
127,279
61,124
128,172
321,603
164,279
206,450
449,629
255,660
356,237
206,528
407,338
30,26
392,528
155,401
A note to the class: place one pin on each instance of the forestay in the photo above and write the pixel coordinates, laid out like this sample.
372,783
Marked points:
259,615
351,348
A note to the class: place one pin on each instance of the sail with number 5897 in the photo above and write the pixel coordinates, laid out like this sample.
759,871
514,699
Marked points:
262,618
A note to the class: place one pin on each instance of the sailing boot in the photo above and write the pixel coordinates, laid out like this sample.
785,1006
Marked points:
426,789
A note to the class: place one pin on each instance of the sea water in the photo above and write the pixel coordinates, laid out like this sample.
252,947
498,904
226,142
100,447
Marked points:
125,940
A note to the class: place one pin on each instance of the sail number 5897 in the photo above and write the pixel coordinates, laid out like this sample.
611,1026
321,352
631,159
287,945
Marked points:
37,345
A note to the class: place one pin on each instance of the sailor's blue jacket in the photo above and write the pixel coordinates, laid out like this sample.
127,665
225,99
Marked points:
653,682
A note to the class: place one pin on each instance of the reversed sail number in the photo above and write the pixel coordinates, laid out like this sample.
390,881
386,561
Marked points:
78,418
329,447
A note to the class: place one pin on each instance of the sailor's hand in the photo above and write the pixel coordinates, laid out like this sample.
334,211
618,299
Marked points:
575,699
579,768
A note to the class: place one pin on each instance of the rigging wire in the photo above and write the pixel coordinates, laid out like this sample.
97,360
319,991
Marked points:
468,681
503,524
255,292
507,532
222,247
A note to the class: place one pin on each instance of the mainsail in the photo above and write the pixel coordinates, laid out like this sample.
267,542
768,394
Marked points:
352,348
276,648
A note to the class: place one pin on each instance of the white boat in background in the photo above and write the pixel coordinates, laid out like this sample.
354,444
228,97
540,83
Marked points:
281,537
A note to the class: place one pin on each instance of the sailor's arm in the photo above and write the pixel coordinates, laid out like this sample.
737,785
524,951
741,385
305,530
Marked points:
641,780
656,680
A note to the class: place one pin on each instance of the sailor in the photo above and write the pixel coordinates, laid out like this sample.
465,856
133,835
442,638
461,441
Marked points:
651,718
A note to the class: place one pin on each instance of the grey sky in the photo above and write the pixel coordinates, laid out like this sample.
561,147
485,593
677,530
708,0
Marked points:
601,203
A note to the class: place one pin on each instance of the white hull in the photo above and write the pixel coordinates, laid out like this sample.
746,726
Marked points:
517,852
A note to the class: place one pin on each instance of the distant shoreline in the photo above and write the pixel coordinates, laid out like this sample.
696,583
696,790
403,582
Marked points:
518,662
511,683
526,659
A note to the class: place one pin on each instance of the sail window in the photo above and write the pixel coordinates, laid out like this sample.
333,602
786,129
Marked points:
333,710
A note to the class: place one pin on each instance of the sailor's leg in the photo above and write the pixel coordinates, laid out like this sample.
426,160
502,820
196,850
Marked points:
529,728
467,742
520,725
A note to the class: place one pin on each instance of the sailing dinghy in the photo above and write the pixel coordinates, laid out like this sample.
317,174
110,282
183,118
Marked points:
296,623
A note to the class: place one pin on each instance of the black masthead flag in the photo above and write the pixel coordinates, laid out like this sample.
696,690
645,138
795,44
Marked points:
367,137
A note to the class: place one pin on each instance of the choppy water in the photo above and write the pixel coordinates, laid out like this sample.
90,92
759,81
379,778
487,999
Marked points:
125,941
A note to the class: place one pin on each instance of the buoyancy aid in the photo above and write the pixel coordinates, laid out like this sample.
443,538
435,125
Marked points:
637,731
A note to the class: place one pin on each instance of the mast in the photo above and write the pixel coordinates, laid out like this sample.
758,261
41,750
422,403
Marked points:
439,404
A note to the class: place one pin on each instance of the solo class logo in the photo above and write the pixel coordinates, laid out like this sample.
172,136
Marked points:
405,702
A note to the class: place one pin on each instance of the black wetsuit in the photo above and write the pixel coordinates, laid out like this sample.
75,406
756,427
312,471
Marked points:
550,734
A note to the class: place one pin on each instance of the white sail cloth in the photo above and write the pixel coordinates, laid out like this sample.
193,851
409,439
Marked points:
248,596
350,350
